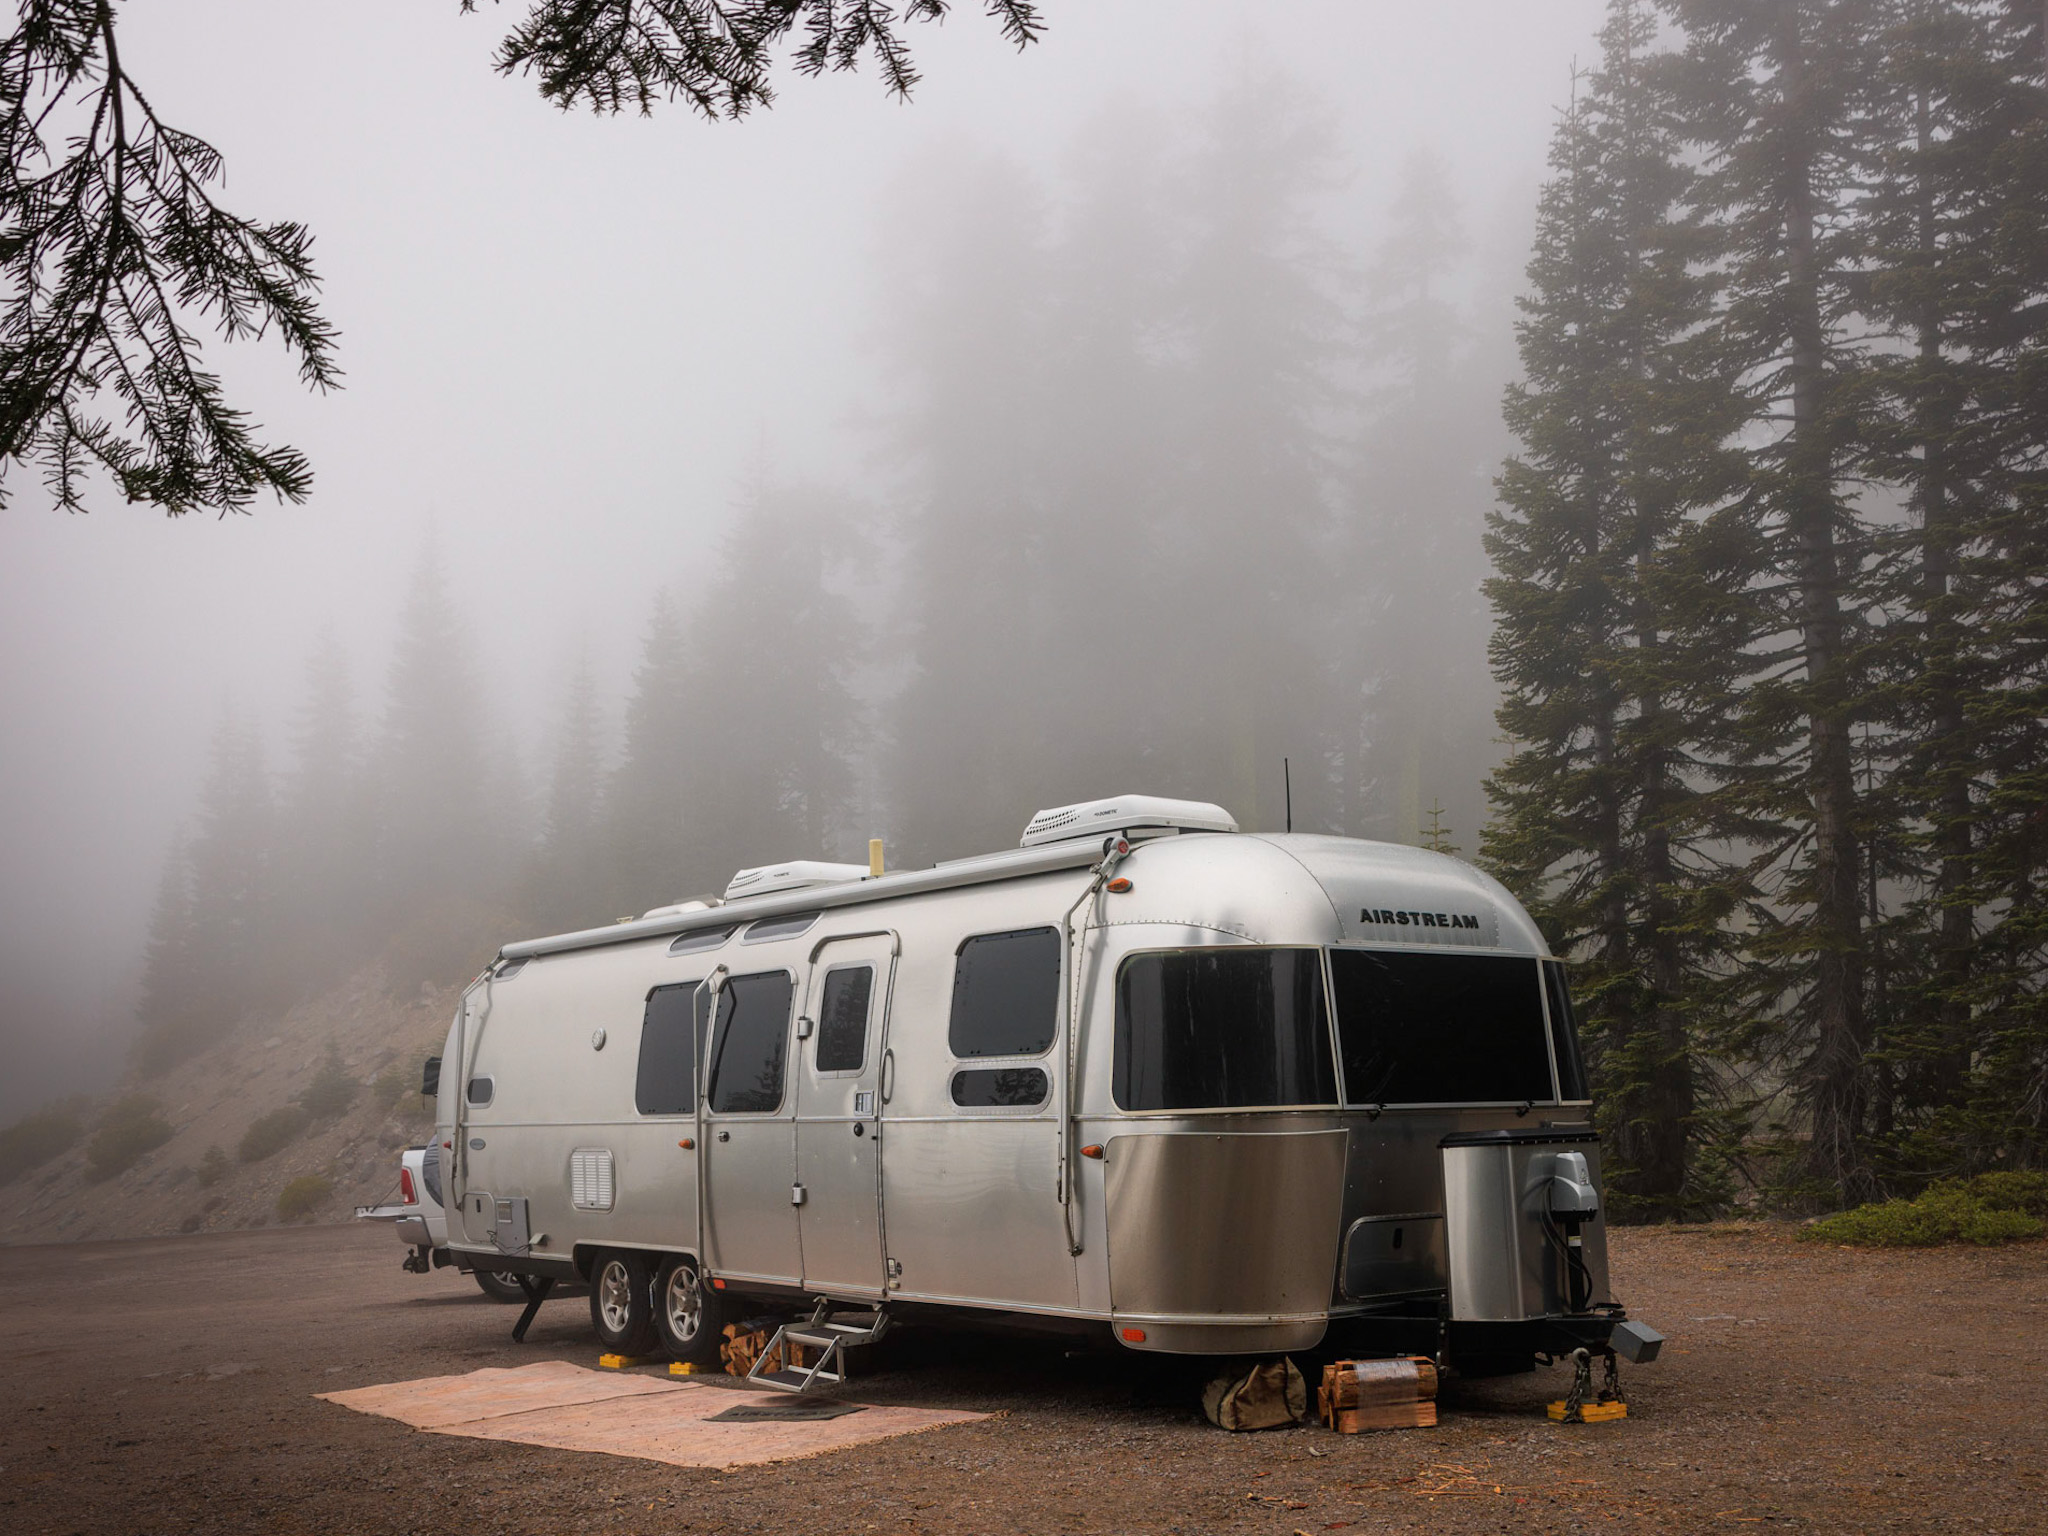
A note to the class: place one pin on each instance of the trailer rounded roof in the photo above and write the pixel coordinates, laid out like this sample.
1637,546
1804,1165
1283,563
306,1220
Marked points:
1296,888
1300,888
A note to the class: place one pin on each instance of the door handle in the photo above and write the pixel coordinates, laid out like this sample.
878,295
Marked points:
888,1076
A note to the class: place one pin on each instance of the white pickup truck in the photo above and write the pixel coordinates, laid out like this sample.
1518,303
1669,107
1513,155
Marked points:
422,1224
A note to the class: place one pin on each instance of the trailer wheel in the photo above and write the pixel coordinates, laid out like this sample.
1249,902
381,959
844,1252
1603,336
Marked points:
688,1314
500,1285
621,1309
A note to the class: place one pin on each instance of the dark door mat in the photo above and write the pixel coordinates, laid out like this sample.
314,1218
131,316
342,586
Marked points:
793,1412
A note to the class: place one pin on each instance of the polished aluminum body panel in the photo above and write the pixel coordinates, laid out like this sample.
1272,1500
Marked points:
973,1207
1214,1227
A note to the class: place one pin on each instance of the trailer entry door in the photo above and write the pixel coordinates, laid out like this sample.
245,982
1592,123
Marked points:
750,1128
839,1125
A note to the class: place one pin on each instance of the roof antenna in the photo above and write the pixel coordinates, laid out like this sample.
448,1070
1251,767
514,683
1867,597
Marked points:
1287,778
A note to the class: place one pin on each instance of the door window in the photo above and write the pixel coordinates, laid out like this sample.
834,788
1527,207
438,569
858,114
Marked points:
843,1019
750,1044
667,1081
1006,994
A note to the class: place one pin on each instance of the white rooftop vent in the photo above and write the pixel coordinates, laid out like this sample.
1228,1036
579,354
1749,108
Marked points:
677,910
1125,813
791,877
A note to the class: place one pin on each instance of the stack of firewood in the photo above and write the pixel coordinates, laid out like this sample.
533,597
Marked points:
743,1346
1378,1394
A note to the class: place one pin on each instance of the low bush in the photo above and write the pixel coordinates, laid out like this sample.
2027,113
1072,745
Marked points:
129,1128
272,1133
332,1090
1990,1209
302,1197
212,1168
34,1139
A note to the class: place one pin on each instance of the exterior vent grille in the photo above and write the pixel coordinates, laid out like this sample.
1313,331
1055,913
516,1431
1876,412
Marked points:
590,1179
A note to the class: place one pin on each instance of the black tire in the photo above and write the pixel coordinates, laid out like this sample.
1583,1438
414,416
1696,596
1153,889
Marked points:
621,1303
689,1317
500,1285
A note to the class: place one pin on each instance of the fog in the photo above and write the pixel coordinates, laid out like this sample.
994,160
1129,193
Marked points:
1117,416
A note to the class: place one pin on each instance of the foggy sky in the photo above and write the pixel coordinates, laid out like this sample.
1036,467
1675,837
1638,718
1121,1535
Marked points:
567,341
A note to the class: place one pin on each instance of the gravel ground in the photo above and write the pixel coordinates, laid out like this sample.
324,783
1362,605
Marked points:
167,1385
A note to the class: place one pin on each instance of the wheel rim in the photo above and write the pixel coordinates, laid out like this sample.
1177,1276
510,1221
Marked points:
506,1278
685,1303
615,1295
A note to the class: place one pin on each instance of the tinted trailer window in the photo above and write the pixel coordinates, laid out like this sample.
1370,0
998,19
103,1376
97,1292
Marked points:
1440,1028
1222,1029
749,1043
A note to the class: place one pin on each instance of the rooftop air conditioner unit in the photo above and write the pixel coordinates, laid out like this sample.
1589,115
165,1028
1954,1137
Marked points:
1125,813
791,877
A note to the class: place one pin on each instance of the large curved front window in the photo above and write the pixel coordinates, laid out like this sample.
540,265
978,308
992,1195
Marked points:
1222,1028
1441,1028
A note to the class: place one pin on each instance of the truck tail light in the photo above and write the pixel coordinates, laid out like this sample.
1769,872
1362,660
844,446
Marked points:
405,1190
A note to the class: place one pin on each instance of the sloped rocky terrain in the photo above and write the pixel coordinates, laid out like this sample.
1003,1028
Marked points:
357,1034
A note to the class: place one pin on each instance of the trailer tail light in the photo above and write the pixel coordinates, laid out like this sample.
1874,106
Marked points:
405,1190
1118,886
1133,1335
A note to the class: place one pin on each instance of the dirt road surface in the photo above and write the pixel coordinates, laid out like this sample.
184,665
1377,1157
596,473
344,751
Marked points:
166,1386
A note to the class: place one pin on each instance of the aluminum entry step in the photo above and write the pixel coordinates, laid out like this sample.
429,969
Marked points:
828,1334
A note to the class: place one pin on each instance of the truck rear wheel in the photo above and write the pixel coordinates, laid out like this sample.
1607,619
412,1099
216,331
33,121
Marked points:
499,1285
621,1306
688,1315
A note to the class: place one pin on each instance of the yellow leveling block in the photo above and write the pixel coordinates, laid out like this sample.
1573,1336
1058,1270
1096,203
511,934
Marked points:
687,1368
1592,1413
620,1362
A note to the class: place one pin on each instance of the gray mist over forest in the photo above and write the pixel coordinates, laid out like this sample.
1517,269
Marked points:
1118,416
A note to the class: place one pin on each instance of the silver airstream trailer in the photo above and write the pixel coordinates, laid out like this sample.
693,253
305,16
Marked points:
1207,1091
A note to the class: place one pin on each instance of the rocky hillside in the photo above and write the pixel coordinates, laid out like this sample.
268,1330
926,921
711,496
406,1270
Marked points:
291,1118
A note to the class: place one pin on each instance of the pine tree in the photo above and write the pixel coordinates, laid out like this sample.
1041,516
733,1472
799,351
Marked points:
566,879
643,805
767,772
1609,652
1770,100
1420,490
325,873
213,953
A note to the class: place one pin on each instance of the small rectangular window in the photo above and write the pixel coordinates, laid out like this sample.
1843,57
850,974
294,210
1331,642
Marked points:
507,969
1222,1028
1000,1087
1440,1028
779,927
750,1044
1564,1035
481,1090
843,1019
700,939
669,1047
1006,994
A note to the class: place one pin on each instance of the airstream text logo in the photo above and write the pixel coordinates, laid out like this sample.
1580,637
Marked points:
1385,918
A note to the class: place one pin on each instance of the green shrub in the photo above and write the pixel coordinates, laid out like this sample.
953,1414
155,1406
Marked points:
129,1128
332,1090
212,1168
34,1139
302,1197
1991,1209
271,1134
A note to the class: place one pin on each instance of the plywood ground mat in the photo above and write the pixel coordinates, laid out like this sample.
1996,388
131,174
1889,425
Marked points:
569,1408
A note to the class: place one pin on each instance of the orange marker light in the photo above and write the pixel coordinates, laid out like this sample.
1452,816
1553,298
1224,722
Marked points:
717,1284
1133,1335
1093,1149
1118,886
687,1143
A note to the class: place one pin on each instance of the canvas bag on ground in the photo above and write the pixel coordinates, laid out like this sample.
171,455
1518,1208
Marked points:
1271,1395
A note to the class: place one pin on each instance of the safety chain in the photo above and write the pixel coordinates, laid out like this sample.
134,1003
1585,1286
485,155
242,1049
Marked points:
1582,1387
1610,1390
